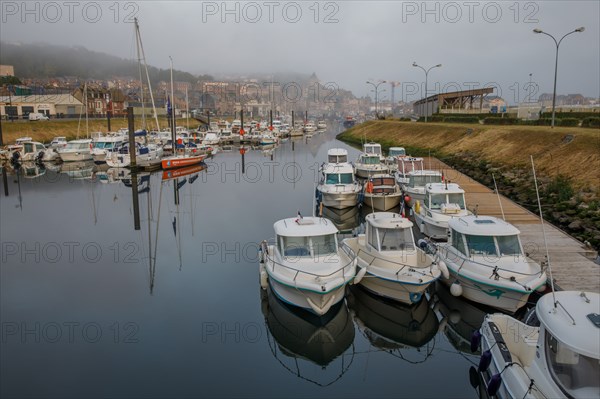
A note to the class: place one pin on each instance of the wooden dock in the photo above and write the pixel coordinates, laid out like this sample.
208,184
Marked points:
573,266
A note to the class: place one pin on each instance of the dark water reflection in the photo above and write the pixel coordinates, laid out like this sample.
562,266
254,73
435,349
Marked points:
92,307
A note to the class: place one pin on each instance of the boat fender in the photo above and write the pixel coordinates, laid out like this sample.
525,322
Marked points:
484,361
475,340
264,277
456,289
406,199
359,276
444,269
415,297
454,317
443,325
494,384
474,377
418,207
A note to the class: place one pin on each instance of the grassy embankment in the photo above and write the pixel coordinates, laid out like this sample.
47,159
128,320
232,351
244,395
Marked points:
567,161
44,131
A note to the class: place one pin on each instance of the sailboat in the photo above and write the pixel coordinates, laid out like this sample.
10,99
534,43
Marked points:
182,155
81,149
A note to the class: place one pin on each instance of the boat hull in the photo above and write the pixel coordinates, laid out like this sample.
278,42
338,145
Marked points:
75,156
321,303
396,290
339,200
432,229
382,202
178,162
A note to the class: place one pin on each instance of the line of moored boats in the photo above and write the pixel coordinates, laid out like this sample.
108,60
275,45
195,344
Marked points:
481,258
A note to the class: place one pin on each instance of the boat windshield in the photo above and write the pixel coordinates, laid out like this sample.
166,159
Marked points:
576,374
457,198
339,178
77,146
373,149
481,245
397,152
308,246
103,145
337,159
395,239
371,160
422,180
384,181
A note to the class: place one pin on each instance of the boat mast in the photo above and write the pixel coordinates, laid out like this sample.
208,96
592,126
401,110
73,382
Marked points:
137,45
173,137
147,74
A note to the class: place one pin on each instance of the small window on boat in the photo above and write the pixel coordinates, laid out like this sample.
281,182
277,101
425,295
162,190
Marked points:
509,245
371,160
346,178
457,198
371,233
332,178
396,239
457,241
576,374
28,147
296,246
39,147
481,245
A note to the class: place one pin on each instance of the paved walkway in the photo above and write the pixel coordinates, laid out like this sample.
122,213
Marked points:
572,262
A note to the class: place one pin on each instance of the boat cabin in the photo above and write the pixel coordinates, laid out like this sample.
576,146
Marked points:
337,155
370,159
484,235
31,147
445,197
388,231
409,164
383,184
420,178
569,341
372,149
308,237
397,152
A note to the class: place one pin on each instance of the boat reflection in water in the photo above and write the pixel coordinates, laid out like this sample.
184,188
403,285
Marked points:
407,332
78,169
459,317
345,219
299,340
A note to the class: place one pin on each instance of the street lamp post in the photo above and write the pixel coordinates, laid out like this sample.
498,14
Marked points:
578,30
376,87
426,74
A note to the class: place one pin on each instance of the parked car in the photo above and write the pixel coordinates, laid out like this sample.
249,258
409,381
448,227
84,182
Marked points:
36,116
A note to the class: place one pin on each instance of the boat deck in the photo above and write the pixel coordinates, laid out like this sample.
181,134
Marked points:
573,267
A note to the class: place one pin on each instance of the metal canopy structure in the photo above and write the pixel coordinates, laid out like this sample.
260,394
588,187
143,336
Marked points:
456,100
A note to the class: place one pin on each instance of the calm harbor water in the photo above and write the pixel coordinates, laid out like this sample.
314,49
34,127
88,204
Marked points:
91,307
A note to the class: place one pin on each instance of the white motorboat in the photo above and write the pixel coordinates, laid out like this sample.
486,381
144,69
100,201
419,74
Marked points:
392,159
415,188
146,156
304,266
487,264
389,262
321,125
368,165
76,151
310,127
267,139
33,151
404,167
211,138
338,188
382,192
443,202
371,161
103,145
58,142
560,358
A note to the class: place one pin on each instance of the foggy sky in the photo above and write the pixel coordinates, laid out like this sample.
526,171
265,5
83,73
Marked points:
363,40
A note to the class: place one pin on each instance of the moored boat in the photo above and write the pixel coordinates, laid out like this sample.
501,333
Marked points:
304,266
381,192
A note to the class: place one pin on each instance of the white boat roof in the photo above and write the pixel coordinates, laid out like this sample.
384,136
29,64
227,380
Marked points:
397,149
388,220
337,152
365,145
579,334
343,167
443,188
305,227
80,141
482,226
425,173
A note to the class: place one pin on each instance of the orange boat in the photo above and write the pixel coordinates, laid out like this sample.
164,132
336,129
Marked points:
178,161
182,172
